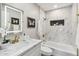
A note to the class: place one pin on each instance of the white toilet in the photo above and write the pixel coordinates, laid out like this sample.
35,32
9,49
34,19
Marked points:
46,51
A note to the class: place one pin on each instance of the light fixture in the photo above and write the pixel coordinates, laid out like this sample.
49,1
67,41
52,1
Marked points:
55,6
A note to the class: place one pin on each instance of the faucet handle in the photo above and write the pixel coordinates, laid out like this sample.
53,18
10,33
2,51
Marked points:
6,41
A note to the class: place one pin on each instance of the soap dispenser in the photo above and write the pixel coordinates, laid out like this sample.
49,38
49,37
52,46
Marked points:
24,38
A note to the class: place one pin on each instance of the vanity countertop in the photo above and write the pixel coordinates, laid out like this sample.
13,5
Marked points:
18,48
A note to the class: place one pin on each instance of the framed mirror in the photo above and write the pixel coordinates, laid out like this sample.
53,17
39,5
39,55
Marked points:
13,19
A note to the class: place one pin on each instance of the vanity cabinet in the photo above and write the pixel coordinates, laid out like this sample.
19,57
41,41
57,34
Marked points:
34,51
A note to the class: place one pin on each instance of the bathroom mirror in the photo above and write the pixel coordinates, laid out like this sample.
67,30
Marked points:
12,19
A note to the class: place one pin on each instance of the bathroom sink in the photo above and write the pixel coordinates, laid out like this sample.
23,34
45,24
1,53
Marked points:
16,45
4,46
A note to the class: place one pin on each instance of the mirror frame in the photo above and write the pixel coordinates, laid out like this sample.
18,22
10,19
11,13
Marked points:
15,9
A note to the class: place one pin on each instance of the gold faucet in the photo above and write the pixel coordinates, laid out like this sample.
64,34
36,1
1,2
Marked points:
15,39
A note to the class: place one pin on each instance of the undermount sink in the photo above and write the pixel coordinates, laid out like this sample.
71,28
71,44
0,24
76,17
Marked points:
5,46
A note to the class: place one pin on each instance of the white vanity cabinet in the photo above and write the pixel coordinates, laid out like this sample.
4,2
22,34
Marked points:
34,51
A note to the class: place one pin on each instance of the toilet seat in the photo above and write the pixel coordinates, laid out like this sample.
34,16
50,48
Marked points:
46,51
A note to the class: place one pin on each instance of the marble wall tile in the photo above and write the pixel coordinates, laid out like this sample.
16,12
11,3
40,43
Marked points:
63,34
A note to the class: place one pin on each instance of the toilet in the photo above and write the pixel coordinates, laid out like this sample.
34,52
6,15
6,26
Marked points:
46,51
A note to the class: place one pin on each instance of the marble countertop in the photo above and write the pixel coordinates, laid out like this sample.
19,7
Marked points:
18,48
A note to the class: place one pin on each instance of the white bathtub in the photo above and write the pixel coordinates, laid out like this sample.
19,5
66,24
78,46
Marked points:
61,49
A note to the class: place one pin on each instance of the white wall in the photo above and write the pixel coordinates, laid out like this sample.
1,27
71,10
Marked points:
30,10
63,34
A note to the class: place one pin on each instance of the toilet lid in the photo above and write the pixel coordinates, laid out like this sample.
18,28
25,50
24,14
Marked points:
46,49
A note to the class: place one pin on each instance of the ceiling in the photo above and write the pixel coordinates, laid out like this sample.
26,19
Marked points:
51,6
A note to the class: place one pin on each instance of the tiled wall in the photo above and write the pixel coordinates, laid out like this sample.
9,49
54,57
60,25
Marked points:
63,34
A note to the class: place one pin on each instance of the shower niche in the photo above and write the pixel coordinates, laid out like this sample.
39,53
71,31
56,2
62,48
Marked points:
57,22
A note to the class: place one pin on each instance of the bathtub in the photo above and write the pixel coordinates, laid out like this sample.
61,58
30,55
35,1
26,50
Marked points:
61,49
